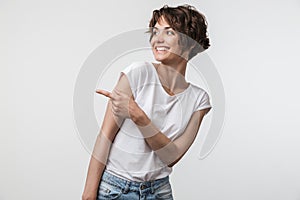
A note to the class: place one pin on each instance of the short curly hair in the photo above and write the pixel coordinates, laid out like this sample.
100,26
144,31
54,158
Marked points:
188,21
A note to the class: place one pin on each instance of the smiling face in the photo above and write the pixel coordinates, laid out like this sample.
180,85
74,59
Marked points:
165,43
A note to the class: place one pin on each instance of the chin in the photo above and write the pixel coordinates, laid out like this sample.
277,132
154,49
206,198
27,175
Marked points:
161,57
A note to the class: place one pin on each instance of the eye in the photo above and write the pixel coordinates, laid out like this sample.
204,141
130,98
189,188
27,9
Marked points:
155,32
170,33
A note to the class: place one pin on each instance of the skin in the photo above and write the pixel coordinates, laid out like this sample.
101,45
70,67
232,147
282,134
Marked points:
121,105
173,62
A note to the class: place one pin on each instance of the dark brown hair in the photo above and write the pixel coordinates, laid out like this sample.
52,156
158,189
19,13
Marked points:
188,21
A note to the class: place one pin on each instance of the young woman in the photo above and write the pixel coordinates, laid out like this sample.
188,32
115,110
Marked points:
153,114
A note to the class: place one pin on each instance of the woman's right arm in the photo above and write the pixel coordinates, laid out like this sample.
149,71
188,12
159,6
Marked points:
110,127
100,153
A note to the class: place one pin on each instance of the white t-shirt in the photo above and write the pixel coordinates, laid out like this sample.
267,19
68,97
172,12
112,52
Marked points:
130,157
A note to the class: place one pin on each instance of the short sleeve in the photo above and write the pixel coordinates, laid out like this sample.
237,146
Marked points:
132,73
203,102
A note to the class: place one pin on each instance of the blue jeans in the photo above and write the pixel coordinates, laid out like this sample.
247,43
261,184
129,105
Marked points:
112,187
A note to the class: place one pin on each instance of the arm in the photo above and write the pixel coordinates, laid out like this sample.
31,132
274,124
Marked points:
108,131
170,152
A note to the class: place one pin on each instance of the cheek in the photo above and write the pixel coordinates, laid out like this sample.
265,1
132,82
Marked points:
173,42
152,41
176,48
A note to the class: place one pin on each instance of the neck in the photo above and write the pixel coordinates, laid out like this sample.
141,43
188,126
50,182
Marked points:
178,67
172,75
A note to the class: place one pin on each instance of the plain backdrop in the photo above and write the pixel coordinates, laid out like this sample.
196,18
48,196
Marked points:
255,47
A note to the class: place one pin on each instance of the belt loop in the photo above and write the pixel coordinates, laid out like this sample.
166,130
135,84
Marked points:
126,189
152,187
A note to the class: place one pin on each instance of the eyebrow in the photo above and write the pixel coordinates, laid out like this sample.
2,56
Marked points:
167,27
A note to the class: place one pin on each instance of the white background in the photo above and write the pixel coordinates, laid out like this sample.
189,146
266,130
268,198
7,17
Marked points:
255,47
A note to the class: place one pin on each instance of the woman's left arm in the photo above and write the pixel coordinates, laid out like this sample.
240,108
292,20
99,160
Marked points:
170,152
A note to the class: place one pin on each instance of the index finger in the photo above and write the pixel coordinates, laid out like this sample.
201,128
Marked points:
105,93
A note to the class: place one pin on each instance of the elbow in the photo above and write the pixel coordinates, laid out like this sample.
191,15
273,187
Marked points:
175,161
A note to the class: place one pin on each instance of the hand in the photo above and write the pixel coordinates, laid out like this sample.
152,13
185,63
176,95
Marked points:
121,102
91,196
125,106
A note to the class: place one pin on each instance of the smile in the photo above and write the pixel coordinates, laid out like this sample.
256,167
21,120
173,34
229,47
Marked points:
161,48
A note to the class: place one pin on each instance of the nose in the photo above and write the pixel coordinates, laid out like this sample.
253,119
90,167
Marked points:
160,37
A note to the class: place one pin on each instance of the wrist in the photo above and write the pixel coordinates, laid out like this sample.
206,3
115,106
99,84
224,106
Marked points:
141,119
138,116
89,195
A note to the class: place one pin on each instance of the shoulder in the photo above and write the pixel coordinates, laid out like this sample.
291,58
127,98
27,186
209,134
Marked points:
198,91
136,66
202,99
136,74
138,71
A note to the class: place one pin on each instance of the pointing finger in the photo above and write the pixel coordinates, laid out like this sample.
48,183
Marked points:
105,93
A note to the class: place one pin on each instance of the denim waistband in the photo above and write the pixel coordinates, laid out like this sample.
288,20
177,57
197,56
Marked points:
125,185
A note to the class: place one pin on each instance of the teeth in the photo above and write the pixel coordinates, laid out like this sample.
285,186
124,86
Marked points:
161,48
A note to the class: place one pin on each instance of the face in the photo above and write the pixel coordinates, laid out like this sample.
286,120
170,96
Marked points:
165,43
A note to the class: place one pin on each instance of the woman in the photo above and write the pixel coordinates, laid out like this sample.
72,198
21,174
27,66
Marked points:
153,114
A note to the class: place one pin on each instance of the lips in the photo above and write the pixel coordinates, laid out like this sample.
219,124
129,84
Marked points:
162,49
